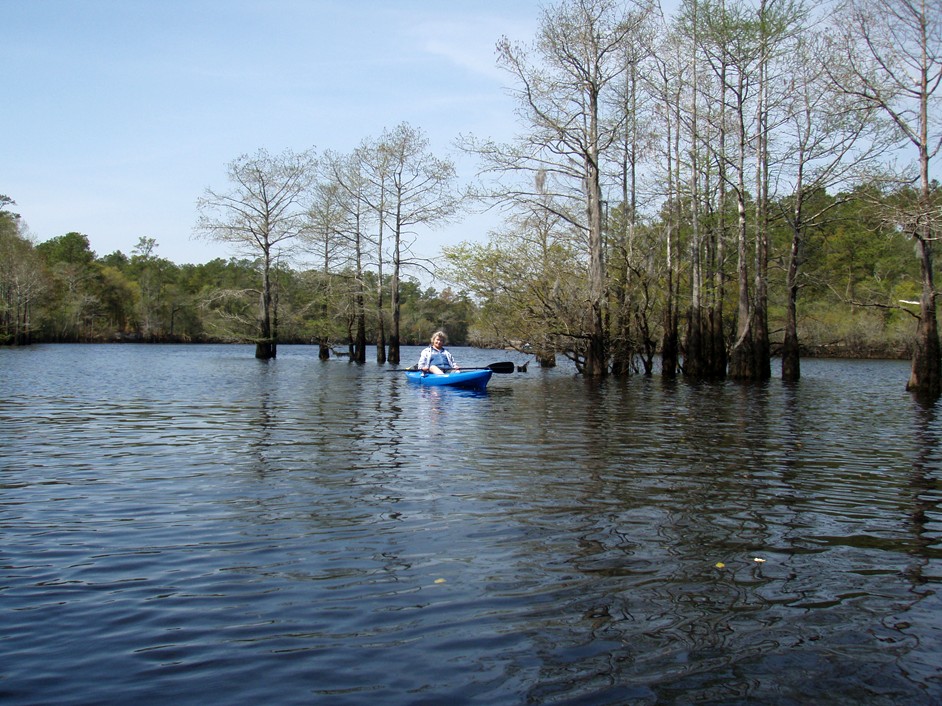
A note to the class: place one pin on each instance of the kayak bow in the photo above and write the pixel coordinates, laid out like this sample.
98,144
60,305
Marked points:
474,379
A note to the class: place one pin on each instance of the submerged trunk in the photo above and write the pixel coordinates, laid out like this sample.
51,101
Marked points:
669,351
791,364
395,304
380,313
359,343
670,346
718,340
741,355
762,355
695,365
266,346
596,356
380,338
926,376
358,348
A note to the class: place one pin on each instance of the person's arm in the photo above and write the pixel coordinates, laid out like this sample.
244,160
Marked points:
424,360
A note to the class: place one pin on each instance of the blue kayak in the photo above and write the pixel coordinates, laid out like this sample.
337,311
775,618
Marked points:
474,379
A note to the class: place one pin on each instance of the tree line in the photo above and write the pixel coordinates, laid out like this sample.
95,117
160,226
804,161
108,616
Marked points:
855,277
324,241
60,291
356,213
674,179
675,185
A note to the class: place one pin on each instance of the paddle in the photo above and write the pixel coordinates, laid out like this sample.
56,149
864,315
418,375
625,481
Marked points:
499,368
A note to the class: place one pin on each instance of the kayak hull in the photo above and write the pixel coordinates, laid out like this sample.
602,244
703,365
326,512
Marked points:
468,379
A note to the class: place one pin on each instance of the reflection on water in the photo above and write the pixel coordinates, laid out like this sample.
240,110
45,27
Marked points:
190,525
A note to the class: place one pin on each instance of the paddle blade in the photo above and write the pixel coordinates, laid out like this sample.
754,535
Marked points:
501,368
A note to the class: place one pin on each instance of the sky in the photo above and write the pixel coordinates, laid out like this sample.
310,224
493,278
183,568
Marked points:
119,114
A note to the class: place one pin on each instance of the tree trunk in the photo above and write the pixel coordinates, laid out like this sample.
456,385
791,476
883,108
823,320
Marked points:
265,350
693,347
717,334
380,336
394,357
359,351
740,357
670,354
926,376
380,313
266,347
791,362
762,353
596,359
623,353
694,364
718,356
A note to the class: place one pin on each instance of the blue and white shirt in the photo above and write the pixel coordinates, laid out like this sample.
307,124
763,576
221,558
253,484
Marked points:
431,356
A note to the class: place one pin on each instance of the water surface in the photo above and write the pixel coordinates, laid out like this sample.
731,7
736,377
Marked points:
188,525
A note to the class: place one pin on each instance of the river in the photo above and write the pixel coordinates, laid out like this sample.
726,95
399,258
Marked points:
189,525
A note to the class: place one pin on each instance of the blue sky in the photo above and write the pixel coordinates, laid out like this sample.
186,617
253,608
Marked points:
118,114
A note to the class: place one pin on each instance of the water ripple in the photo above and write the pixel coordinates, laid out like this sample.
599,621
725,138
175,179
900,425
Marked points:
204,527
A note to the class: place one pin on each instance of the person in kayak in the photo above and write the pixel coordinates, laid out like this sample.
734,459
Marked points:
436,359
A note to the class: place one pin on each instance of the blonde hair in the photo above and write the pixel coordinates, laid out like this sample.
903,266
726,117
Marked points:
437,334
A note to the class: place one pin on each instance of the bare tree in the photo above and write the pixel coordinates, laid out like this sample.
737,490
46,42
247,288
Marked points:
703,98
717,354
832,140
666,84
741,107
264,211
563,83
628,315
892,59
742,56
373,167
327,214
347,173
421,193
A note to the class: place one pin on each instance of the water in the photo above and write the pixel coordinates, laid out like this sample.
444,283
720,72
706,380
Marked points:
189,525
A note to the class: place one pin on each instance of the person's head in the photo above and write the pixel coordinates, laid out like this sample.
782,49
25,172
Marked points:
439,339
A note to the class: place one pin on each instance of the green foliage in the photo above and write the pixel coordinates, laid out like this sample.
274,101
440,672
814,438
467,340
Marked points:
530,287
21,282
427,311
148,298
72,249
859,277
